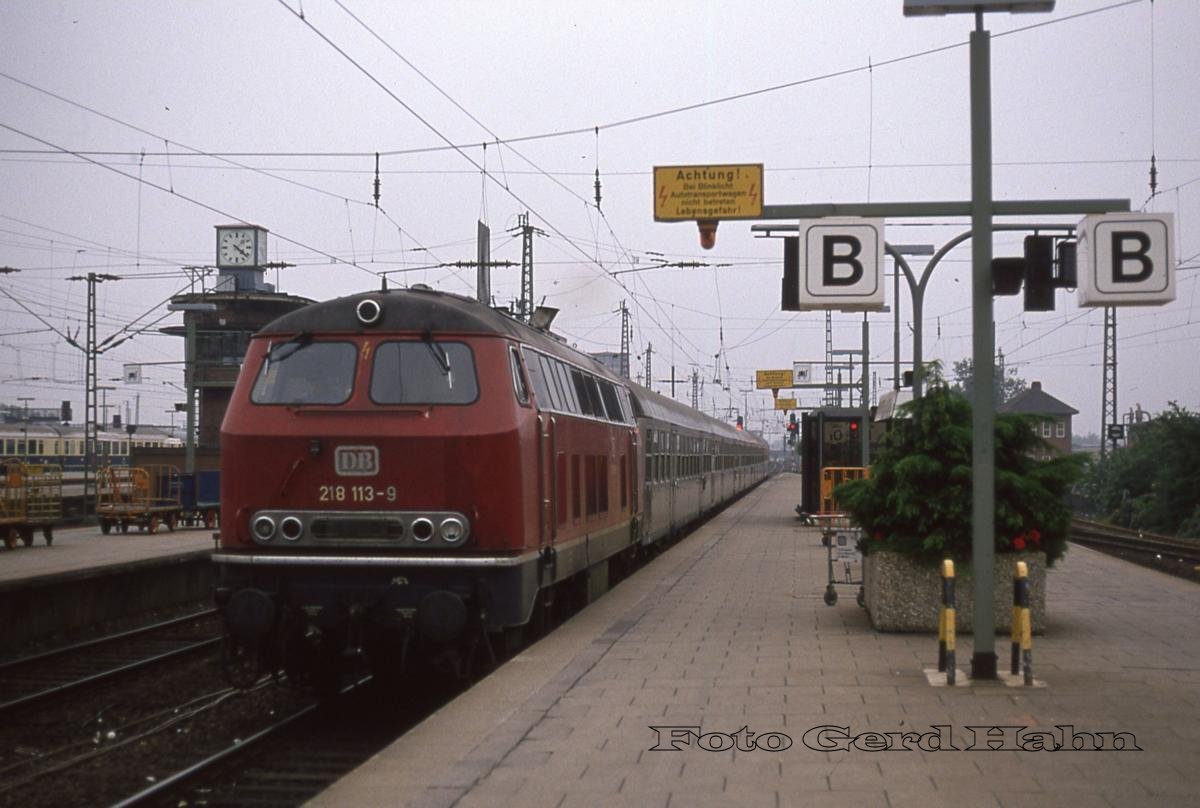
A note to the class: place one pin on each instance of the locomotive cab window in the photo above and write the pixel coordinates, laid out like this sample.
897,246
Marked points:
306,372
423,372
518,377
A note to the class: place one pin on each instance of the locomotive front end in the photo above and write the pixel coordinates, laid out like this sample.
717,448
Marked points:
375,465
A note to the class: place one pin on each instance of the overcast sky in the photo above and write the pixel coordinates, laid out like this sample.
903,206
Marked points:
236,110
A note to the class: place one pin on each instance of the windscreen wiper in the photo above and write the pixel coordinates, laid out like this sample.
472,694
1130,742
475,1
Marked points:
439,354
278,353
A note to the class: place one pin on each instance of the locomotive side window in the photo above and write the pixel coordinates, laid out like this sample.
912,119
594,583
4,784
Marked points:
581,393
538,379
611,403
557,399
424,372
518,377
306,373
566,388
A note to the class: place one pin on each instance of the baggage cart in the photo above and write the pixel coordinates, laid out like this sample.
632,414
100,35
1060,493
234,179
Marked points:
30,500
141,496
844,556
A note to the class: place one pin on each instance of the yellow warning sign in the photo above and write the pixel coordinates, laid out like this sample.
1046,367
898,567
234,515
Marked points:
772,379
785,403
683,193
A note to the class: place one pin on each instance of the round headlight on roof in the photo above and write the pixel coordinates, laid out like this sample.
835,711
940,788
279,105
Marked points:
368,311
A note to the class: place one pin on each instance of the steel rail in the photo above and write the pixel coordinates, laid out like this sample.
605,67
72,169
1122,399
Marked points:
184,774
122,635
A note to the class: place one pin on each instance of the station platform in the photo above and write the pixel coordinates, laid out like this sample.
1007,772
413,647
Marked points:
86,578
726,634
83,549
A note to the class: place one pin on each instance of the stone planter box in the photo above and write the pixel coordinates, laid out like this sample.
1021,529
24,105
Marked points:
904,596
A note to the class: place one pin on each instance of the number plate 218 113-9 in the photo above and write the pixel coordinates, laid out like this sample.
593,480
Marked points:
356,461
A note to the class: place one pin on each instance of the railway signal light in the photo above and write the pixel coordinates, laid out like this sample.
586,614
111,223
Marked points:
1067,277
1039,273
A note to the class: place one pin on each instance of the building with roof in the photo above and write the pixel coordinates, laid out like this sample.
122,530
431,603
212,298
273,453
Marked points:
1054,424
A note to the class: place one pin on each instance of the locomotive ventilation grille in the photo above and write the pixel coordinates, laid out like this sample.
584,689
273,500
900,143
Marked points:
416,529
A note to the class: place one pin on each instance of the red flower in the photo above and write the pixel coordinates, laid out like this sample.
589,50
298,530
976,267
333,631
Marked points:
877,535
1034,535
1018,543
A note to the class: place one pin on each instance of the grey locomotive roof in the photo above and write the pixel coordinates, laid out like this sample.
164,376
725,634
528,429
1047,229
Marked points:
402,310
421,309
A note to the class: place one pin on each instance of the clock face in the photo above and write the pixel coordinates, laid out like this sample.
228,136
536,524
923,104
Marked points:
236,248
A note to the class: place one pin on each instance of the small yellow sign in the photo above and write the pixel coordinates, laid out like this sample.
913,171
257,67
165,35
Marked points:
772,379
785,403
684,193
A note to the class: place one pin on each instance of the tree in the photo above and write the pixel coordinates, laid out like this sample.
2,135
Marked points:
917,501
1007,386
1153,483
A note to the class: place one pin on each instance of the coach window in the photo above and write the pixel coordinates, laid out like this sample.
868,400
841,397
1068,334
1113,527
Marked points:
518,378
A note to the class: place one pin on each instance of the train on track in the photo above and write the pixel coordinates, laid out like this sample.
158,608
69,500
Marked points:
63,445
412,475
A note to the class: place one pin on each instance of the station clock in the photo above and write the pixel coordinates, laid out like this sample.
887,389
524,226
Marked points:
241,246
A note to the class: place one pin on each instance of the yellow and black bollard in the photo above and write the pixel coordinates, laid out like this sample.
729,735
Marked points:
946,620
1022,624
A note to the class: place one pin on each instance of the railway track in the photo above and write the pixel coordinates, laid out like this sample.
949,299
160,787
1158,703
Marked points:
1170,554
53,673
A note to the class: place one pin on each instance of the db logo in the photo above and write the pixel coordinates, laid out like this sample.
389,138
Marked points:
356,461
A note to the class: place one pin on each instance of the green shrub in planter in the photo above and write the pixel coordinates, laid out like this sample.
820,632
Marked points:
917,501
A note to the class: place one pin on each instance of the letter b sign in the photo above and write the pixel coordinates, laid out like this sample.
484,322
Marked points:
841,264
1126,259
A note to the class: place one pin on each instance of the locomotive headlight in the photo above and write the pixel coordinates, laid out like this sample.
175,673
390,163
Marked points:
451,530
422,529
264,528
291,528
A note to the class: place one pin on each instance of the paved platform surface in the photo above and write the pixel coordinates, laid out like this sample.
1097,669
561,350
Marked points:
78,550
728,630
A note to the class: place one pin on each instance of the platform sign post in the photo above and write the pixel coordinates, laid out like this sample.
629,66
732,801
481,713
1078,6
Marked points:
841,264
1126,259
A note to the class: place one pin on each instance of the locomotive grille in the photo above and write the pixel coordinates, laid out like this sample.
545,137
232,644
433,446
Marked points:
350,527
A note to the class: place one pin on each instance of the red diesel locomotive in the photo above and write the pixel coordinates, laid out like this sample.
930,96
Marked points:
409,473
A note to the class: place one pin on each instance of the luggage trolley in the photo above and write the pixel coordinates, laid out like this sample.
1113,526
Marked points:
842,544
145,496
30,499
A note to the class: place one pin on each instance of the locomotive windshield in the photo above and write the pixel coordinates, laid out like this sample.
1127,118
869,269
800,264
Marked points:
425,372
305,372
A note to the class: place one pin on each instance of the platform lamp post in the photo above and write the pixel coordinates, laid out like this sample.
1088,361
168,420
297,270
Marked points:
189,374
983,470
